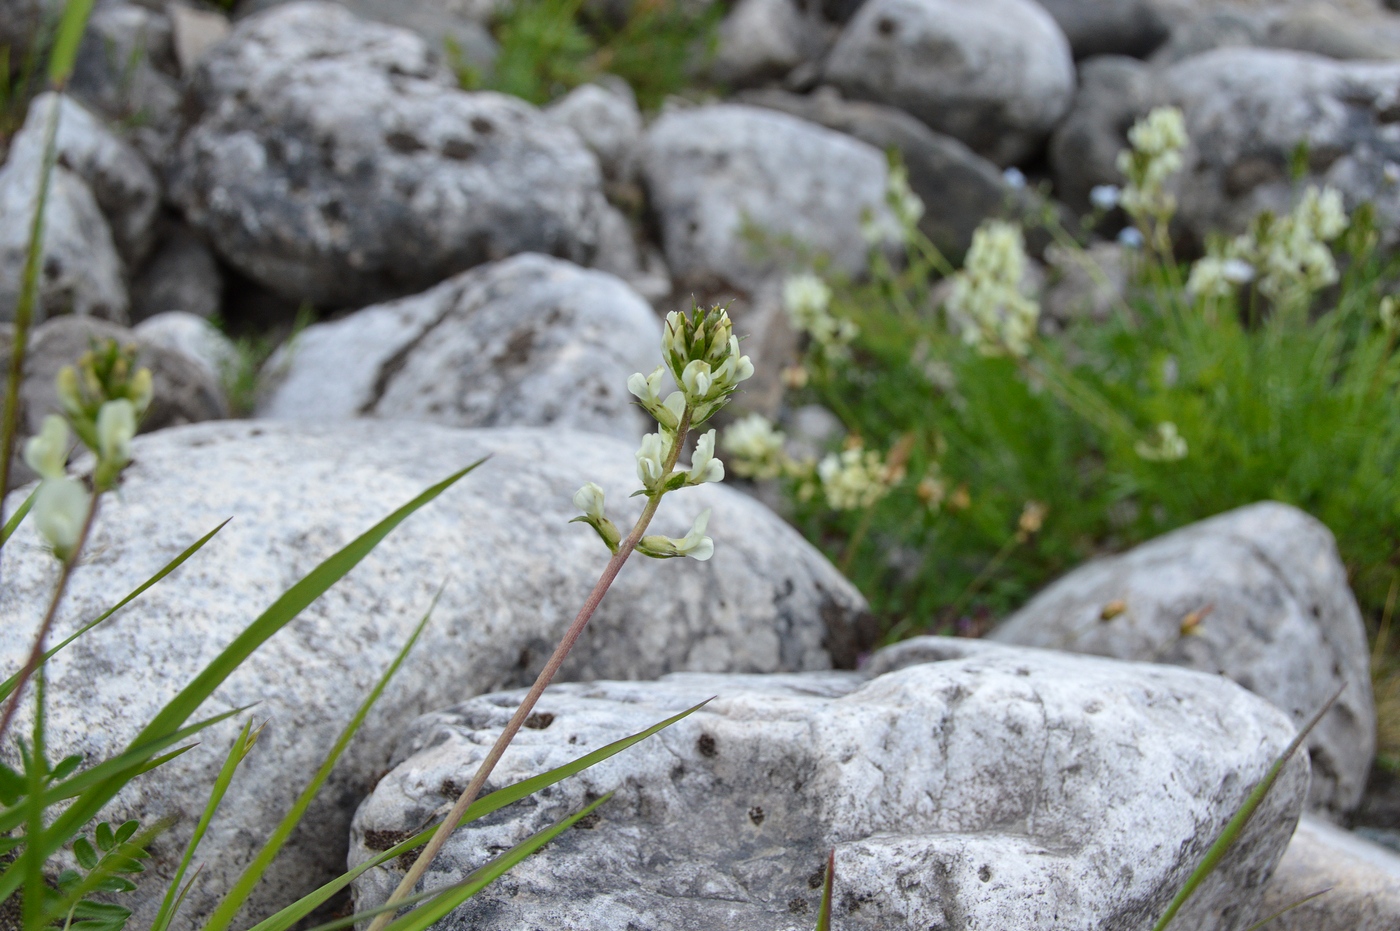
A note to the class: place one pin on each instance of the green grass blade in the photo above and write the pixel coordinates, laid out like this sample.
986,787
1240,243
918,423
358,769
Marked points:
17,518
824,912
67,40
237,753
442,905
497,800
9,684
233,900
31,861
288,606
459,892
132,761
1284,911
1236,825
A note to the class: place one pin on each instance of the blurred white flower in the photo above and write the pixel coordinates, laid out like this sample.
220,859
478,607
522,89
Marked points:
1015,178
1166,446
986,297
1130,237
1104,196
852,479
47,451
60,507
755,448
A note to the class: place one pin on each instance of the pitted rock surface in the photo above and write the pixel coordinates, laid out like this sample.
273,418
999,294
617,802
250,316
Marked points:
1013,789
1265,597
530,341
514,573
719,174
996,74
337,162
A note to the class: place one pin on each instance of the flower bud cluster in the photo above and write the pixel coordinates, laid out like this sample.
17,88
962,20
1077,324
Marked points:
1289,255
807,300
1157,140
986,296
701,353
103,397
855,478
1167,445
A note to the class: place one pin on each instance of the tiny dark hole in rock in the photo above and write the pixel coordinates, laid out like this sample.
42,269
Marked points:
797,906
817,878
756,815
539,720
482,125
707,746
886,26
985,873
588,822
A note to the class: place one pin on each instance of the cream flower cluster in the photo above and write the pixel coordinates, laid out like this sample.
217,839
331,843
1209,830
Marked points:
986,297
854,478
1290,255
701,354
1166,445
103,399
807,300
905,210
755,448
1157,141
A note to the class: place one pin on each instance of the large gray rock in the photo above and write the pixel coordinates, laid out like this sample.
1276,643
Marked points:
181,274
1362,880
716,171
363,173
530,341
606,118
1257,594
1347,31
454,29
1109,27
81,271
959,187
1019,789
515,573
1247,110
998,74
1113,92
125,187
193,337
128,71
761,40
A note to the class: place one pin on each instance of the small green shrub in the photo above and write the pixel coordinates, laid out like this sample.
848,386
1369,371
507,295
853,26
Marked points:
549,47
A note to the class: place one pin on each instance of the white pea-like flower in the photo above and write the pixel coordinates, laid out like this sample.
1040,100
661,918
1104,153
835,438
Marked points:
60,507
704,467
694,544
805,296
142,390
116,425
756,448
589,500
647,388
651,460
47,451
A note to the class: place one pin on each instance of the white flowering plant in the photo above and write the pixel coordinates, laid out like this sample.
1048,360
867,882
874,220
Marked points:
1265,368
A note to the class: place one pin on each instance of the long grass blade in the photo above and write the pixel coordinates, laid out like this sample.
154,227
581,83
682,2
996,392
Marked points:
67,40
474,883
1284,911
233,900
9,684
17,518
430,913
137,759
1236,825
824,912
237,753
31,862
497,800
179,708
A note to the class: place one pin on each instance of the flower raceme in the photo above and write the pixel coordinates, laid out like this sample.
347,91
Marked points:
986,297
701,353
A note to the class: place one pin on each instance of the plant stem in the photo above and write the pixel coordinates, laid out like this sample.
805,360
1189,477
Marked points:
546,676
36,655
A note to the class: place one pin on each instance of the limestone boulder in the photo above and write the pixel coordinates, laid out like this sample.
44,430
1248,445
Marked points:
998,75
1361,879
82,271
721,175
606,118
1016,789
530,341
363,173
1258,595
512,570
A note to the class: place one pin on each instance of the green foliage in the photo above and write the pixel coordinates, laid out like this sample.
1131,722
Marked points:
548,47
1287,402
